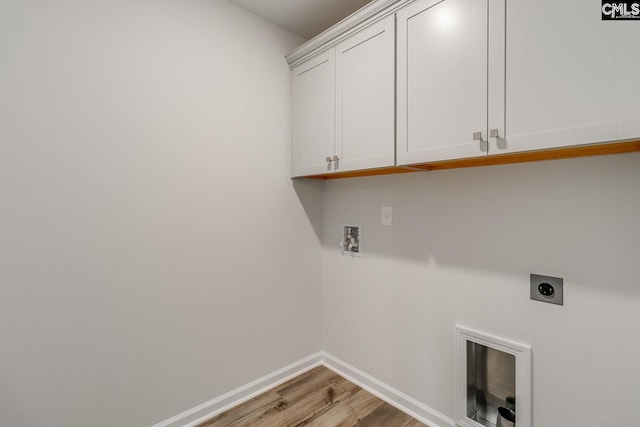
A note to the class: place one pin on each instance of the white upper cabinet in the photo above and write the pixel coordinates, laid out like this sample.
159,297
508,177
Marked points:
519,75
416,82
628,79
343,115
365,95
442,80
568,78
313,115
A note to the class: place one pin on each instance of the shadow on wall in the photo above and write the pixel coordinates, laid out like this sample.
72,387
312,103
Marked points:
575,217
310,194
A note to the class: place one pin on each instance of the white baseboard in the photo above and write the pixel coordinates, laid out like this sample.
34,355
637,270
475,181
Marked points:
216,406
394,397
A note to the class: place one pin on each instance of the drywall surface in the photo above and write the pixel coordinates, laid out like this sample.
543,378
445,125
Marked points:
153,251
460,250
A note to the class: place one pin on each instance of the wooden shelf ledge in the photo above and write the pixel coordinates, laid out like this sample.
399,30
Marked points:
498,159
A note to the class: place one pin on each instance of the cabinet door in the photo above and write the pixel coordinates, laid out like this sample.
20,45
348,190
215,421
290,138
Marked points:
365,95
313,115
628,80
442,80
566,77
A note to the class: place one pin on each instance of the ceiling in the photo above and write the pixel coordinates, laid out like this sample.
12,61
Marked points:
306,18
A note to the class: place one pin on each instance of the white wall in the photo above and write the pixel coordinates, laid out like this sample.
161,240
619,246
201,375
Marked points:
461,250
153,251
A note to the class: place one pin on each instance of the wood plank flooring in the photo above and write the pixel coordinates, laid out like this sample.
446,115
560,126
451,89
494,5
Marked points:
317,398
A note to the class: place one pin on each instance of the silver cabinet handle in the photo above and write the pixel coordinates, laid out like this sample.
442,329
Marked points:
336,163
336,158
477,136
493,133
328,159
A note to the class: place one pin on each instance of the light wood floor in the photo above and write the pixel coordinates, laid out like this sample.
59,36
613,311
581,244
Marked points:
317,398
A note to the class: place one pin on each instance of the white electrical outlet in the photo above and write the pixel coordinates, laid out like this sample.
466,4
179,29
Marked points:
386,215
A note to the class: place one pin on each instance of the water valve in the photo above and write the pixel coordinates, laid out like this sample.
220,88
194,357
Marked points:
351,239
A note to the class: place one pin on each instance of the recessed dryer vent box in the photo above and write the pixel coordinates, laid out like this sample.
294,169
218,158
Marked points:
493,381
